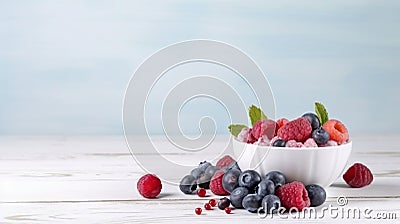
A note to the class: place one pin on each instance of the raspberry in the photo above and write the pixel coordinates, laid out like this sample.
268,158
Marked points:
294,144
298,130
281,122
337,131
358,175
216,184
225,161
149,186
293,194
310,143
264,127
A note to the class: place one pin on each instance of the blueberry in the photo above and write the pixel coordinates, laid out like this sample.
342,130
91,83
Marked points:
252,202
224,203
210,171
320,136
313,119
271,203
316,194
237,196
249,179
204,181
204,165
279,143
196,172
230,179
188,184
277,177
265,187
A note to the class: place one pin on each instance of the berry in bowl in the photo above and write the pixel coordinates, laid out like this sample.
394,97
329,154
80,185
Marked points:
312,149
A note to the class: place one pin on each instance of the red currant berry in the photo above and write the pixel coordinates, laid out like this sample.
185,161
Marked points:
207,206
201,192
212,202
228,210
198,211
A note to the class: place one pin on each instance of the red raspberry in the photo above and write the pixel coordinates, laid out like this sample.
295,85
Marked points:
358,175
264,127
298,130
281,122
293,194
225,161
216,184
149,186
337,131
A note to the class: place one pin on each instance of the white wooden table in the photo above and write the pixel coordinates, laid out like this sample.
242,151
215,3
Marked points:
93,180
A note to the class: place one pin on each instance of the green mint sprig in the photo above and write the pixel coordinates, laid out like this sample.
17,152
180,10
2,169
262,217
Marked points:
255,115
321,112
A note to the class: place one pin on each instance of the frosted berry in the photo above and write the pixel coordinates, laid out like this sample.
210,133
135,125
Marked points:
310,143
225,161
149,186
188,184
264,127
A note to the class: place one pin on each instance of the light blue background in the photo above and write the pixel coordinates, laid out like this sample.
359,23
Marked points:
64,65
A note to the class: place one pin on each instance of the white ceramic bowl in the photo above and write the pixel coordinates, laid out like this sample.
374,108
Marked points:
320,166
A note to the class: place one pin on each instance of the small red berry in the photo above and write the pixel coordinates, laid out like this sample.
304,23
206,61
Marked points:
201,192
207,206
212,202
228,210
198,211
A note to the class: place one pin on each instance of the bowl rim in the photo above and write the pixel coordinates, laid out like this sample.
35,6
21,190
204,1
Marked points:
349,144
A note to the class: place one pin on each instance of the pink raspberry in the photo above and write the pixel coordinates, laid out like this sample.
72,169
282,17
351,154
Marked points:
310,143
294,144
299,130
264,127
244,134
330,143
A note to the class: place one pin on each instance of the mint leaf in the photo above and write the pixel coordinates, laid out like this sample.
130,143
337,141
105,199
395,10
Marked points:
321,113
235,129
256,114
